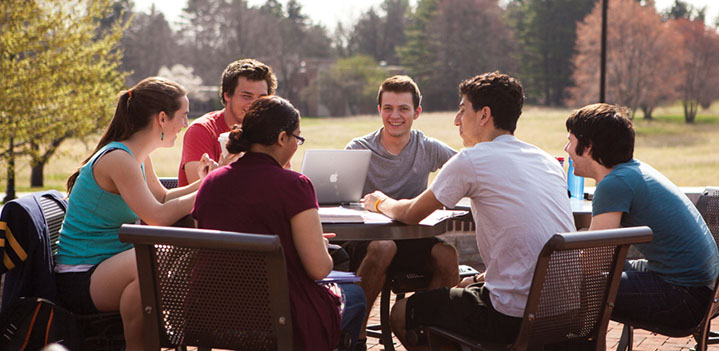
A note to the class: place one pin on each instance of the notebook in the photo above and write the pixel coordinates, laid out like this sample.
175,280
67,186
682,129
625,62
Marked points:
337,175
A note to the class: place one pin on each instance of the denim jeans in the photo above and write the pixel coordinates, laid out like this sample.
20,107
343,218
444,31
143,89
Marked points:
354,311
647,301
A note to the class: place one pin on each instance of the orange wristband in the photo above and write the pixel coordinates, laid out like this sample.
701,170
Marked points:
376,204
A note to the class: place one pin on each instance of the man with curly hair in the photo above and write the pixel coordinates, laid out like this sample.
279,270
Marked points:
243,82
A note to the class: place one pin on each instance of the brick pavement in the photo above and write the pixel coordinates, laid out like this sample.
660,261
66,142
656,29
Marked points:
643,340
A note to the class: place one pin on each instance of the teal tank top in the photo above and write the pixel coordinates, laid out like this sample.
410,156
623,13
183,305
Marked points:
94,216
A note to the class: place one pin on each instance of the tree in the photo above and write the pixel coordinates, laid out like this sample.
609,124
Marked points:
348,87
221,31
641,67
291,40
452,40
378,34
546,32
148,44
682,9
701,69
59,77
186,77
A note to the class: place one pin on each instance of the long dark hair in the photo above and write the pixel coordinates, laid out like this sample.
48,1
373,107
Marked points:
135,109
266,118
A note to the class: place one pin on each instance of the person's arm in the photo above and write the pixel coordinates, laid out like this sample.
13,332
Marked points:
608,220
310,244
410,211
192,171
130,184
198,140
477,278
206,165
163,194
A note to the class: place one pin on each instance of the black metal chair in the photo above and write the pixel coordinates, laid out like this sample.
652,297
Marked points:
211,289
101,331
708,206
572,292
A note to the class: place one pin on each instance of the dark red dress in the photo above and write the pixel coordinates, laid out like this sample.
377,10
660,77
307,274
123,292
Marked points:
256,195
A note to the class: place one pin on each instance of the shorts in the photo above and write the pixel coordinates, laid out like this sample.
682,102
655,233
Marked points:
412,255
466,311
73,291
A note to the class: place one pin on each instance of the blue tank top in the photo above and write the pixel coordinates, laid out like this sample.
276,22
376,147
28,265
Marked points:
94,216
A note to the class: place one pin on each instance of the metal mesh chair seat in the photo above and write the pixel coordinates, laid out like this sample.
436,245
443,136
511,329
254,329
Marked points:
211,289
572,293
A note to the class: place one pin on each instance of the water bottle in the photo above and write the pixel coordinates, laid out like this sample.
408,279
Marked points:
574,184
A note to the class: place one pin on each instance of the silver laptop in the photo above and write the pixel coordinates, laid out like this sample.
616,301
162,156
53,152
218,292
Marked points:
337,175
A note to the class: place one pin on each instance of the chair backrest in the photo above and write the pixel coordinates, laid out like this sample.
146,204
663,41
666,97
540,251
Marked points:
574,286
169,182
28,227
53,209
708,206
210,288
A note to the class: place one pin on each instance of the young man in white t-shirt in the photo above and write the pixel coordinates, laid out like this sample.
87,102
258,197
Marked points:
519,200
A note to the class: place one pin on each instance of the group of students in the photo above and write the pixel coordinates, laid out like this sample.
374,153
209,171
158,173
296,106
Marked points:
252,190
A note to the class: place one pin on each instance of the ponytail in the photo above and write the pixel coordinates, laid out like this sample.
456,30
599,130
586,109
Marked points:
134,111
238,141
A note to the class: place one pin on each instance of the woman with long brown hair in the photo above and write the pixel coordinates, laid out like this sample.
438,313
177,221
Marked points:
115,185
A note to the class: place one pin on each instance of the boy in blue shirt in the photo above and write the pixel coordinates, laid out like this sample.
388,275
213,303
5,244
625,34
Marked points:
671,287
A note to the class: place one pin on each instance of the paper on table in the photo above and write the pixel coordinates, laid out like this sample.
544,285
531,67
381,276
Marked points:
340,277
375,218
440,215
434,218
340,215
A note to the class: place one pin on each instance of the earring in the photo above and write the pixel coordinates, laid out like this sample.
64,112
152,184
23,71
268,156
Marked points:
162,136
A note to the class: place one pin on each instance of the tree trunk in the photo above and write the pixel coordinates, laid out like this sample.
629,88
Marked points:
647,112
37,164
10,189
36,175
690,110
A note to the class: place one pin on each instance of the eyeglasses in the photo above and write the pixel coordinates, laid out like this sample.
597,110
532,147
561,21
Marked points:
300,140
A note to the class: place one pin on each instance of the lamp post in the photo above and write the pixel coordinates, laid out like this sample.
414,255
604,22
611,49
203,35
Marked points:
603,61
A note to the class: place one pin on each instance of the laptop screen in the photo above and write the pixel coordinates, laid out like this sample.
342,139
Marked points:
337,175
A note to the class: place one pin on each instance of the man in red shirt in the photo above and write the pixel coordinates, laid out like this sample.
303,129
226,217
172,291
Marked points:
243,81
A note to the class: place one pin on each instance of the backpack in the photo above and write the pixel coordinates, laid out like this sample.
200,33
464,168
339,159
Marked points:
31,323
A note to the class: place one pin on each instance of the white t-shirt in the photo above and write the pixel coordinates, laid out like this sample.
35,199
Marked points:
519,200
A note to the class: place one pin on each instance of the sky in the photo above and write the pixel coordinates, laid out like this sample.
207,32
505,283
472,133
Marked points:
329,12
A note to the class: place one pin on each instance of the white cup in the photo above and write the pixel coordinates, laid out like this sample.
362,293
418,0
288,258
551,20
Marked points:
223,139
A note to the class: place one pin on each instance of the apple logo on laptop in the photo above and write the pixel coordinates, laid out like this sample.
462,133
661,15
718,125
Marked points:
333,177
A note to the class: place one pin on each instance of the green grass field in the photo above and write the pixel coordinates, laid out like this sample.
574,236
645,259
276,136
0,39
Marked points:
686,154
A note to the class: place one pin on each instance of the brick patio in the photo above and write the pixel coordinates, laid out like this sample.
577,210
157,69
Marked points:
643,340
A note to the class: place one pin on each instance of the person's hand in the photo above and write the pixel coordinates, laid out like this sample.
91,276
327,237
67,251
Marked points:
226,160
471,280
372,200
206,166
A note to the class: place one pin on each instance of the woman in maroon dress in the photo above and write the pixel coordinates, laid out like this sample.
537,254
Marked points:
256,194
